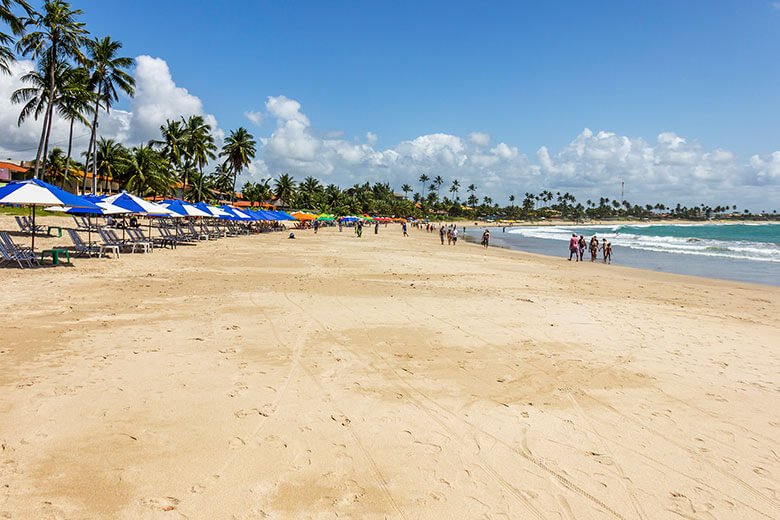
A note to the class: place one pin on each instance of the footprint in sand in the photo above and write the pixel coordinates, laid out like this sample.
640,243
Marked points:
236,442
161,504
341,419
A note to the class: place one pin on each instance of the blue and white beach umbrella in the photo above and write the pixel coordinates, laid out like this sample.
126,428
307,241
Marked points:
138,205
212,210
35,192
184,209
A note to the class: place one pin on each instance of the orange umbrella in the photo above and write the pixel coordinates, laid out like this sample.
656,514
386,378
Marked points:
300,215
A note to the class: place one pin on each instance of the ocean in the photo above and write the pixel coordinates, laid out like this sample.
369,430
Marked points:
741,252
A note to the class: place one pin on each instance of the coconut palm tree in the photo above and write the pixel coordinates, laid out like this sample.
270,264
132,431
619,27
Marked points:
112,159
406,189
199,145
221,179
74,103
16,25
108,78
423,179
58,35
512,201
55,171
173,144
455,188
147,172
36,95
284,189
438,181
238,151
307,191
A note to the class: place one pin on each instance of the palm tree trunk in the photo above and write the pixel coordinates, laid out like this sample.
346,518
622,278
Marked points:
233,191
92,139
48,134
67,159
50,107
40,145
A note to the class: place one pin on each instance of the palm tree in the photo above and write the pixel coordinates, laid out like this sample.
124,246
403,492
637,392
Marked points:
199,145
74,103
55,167
173,145
423,179
512,201
112,158
284,189
59,35
406,189
221,179
454,188
107,76
307,190
147,172
438,181
36,95
238,151
16,25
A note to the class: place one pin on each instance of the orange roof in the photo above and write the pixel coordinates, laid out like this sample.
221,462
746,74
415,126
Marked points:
13,167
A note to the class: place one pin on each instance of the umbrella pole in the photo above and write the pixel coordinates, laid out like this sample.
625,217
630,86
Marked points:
89,234
33,230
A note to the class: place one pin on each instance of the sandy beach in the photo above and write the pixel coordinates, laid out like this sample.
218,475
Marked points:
383,377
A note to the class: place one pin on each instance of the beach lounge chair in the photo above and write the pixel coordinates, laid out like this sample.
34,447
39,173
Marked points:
199,234
25,225
81,247
109,243
168,235
22,255
138,239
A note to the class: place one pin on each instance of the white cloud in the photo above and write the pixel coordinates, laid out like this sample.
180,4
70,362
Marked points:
479,138
158,98
371,138
254,117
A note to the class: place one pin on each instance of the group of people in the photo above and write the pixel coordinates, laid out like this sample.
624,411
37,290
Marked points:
450,233
577,246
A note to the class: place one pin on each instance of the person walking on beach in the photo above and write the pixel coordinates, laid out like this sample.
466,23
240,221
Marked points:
341,224
573,247
316,226
449,236
594,248
608,253
604,249
441,234
454,235
581,245
486,238
403,227
376,227
359,228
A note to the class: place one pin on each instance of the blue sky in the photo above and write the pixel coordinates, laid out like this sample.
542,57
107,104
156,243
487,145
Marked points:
681,99
530,73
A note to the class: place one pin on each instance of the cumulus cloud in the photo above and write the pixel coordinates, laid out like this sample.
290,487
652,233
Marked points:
254,117
671,168
479,138
157,98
